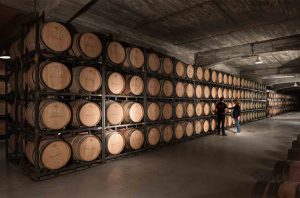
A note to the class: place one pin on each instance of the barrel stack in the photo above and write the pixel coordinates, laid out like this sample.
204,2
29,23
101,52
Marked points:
97,99
285,181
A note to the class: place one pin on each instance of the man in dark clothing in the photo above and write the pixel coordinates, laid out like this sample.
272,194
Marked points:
221,110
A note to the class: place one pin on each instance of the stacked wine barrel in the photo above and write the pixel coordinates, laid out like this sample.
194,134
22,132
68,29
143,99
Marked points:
279,103
251,95
136,99
3,101
285,180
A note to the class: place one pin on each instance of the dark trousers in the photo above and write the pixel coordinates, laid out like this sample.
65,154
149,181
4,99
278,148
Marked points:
221,120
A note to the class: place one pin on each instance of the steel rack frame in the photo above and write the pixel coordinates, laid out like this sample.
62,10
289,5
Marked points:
104,66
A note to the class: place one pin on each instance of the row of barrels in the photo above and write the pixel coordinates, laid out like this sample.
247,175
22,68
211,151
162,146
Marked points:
56,115
285,182
56,153
55,76
280,103
274,111
54,36
273,95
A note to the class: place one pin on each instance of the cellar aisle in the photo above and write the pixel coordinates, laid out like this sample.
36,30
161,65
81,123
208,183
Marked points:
209,167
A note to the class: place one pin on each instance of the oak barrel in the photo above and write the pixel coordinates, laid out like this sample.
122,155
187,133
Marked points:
153,88
134,58
220,92
53,36
86,45
153,62
180,69
134,138
115,142
167,88
166,133
189,90
167,66
287,171
214,76
85,147
85,113
2,87
52,114
207,75
134,85
53,153
230,80
238,82
225,93
179,89
114,112
2,107
199,73
205,124
220,78
133,112
115,52
229,93
213,108
206,109
190,110
179,130
167,111
265,189
198,126
153,111
153,136
180,110
225,79
206,92
54,76
213,124
199,91
199,109
234,81
190,72
214,92
189,129
115,83
85,79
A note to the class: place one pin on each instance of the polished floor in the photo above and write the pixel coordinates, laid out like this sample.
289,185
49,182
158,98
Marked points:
209,167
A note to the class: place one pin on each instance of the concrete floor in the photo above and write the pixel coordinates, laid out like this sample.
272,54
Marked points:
208,167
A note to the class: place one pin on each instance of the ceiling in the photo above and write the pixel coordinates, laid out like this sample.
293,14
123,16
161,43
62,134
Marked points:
222,34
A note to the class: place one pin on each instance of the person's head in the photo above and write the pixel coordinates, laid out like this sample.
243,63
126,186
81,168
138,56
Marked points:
235,101
221,99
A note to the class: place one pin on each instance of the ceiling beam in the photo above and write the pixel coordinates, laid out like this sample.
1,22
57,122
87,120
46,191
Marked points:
82,10
210,57
272,71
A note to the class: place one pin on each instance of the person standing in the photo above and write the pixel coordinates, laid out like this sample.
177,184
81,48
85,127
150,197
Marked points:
221,111
236,114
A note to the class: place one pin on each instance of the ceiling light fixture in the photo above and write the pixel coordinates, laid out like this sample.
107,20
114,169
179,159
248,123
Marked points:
4,55
295,84
258,58
258,61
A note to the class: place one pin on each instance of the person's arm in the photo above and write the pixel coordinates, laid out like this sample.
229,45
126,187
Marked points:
239,112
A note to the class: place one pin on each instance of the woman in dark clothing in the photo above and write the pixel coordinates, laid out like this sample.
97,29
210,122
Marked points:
236,114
